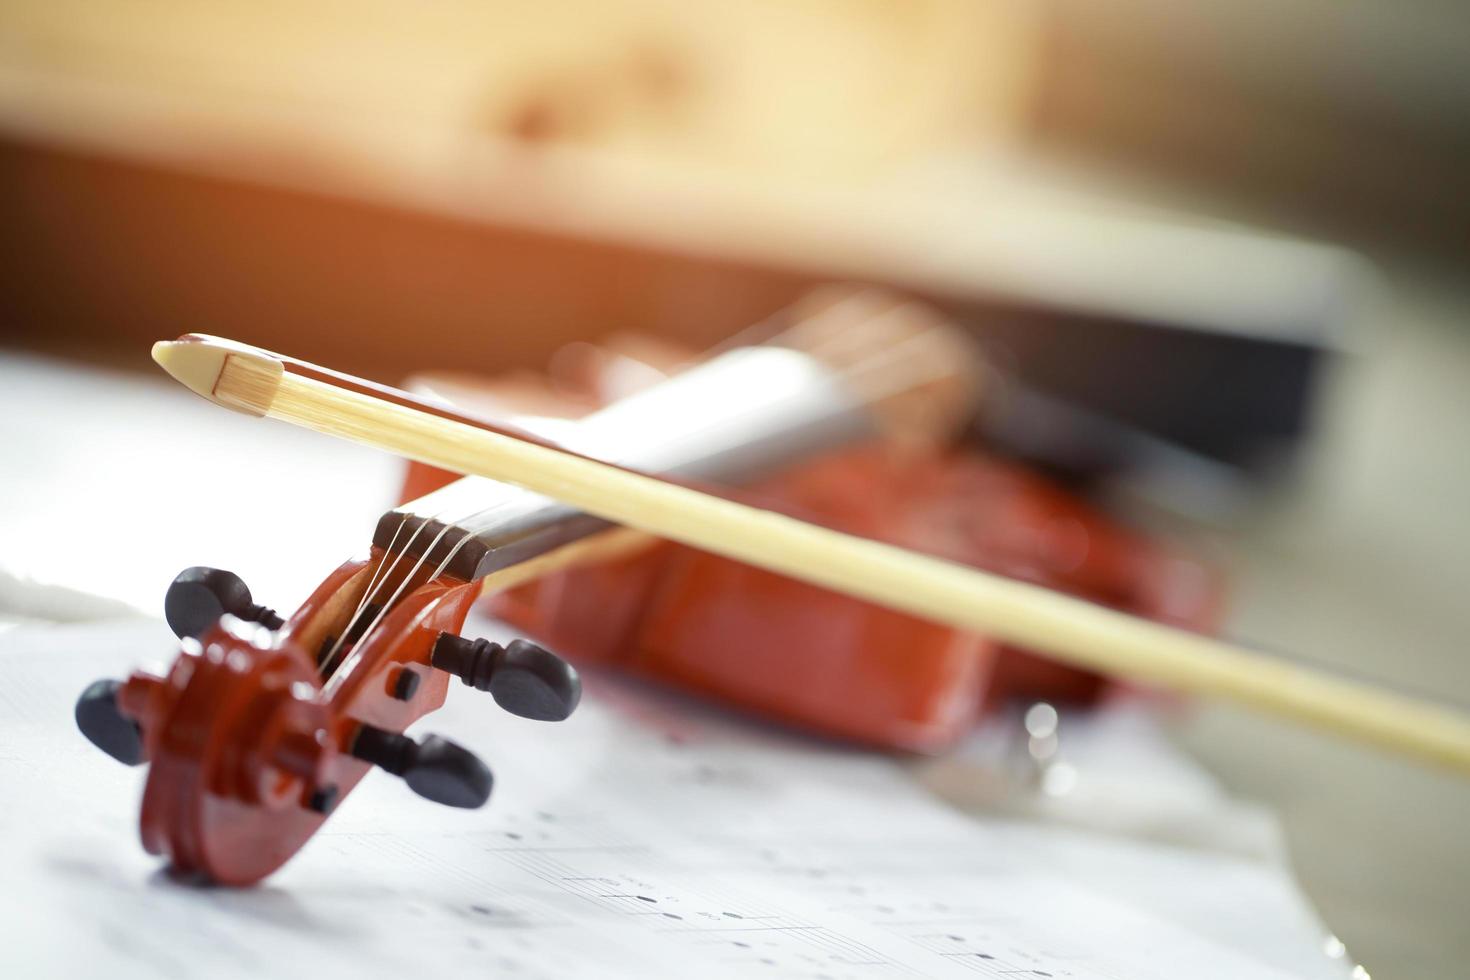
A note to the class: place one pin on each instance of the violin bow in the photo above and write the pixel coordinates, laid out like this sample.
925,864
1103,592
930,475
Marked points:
1072,630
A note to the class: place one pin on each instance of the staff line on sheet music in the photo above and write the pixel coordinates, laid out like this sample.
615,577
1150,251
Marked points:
587,849
544,862
841,948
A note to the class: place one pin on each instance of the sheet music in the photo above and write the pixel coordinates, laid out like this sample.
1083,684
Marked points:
645,837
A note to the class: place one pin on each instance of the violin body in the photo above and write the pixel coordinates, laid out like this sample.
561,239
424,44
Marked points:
842,666
831,663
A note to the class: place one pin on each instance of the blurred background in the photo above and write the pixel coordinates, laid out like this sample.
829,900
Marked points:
1220,247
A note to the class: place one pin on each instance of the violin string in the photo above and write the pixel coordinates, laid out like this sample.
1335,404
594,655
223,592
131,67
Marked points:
868,380
398,593
773,332
882,384
863,378
377,572
782,328
444,563
367,596
876,376
817,336
869,392
904,374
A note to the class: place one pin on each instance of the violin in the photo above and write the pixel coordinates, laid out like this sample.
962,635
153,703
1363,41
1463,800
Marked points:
863,673
844,415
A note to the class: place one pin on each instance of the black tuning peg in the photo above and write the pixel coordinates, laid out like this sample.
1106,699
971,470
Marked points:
107,727
199,596
435,768
524,679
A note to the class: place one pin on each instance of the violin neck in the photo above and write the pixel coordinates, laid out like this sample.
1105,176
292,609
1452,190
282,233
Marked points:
730,420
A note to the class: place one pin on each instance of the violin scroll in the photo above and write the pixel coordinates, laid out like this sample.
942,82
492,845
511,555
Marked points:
257,732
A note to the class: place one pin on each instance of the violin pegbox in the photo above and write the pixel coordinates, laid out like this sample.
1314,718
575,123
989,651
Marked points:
258,731
196,600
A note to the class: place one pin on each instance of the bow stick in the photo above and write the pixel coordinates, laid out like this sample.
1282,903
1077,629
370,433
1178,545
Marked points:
265,384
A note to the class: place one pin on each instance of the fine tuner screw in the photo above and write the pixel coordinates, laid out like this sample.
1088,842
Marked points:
436,768
105,726
199,596
523,678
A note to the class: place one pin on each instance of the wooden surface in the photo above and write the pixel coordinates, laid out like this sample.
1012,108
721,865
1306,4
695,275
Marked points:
163,162
320,174
737,87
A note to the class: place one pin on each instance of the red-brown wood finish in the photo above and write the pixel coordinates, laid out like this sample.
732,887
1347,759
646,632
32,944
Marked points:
841,666
242,732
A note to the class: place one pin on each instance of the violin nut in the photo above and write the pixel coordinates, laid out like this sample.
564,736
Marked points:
523,678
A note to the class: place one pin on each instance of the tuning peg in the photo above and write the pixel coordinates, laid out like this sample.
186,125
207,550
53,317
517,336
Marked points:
524,679
435,768
199,596
106,726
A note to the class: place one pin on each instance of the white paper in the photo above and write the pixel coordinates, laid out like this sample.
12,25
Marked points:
645,837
